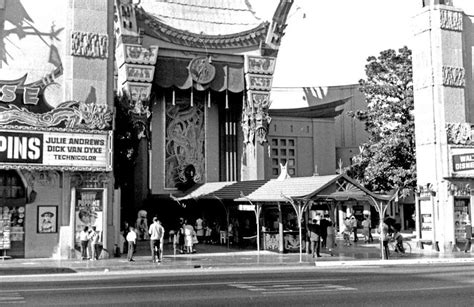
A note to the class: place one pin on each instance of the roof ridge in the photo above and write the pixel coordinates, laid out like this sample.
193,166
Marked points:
207,21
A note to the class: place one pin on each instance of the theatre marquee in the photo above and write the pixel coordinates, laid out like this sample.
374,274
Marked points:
56,150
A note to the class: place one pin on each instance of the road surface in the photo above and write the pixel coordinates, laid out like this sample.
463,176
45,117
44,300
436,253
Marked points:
427,285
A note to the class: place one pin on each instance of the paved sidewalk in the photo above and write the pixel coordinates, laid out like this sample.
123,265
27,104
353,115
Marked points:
209,257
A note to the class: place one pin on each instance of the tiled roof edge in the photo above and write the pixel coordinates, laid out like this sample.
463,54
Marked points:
155,28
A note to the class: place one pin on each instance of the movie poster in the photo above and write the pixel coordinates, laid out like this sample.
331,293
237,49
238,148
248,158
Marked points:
89,209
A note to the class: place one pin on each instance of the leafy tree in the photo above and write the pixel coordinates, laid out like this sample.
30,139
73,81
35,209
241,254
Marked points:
387,160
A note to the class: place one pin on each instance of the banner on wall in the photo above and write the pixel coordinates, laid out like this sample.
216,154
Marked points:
78,151
89,209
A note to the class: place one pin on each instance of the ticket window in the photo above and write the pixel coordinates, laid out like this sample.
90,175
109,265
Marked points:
12,214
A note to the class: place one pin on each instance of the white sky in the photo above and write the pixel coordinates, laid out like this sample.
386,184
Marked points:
331,44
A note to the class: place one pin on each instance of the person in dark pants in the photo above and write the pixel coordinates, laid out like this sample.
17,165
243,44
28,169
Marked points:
468,228
324,224
84,238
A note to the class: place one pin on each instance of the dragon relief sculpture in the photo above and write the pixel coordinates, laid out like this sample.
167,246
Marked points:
255,119
71,114
185,141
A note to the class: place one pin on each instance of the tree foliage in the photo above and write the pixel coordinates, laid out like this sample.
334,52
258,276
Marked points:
387,161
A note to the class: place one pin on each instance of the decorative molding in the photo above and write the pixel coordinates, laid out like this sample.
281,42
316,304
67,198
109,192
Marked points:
155,28
259,65
54,129
454,76
72,114
459,133
87,44
451,20
258,82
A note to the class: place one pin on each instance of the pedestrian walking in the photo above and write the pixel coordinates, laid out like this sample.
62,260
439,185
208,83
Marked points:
331,237
384,237
346,231
156,233
199,229
131,240
315,236
189,235
84,238
468,228
354,225
94,237
324,230
366,229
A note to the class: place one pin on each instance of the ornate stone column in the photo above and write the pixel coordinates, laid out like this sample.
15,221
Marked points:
255,119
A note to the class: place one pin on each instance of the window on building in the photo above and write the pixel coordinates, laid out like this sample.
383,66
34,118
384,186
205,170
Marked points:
283,151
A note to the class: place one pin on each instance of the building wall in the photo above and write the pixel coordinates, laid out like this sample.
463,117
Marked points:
313,145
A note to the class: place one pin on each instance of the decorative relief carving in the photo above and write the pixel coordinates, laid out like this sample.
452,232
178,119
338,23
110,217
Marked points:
454,76
45,178
201,70
138,91
259,82
255,118
92,45
90,180
142,73
72,114
185,144
451,20
137,54
260,65
459,133
459,189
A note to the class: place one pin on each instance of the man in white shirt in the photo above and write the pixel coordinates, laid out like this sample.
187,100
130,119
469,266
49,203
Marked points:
156,233
132,240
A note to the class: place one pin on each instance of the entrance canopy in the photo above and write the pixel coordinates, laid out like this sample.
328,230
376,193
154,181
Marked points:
331,187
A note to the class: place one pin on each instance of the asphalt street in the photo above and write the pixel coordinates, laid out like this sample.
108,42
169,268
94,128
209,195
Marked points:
428,285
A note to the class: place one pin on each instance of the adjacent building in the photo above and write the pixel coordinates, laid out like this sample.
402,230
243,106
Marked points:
444,116
56,102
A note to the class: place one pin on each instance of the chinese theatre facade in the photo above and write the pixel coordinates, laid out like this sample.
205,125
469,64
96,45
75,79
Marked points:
56,98
197,76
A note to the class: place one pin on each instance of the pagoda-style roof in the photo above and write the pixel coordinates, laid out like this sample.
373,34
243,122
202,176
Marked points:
213,24
326,110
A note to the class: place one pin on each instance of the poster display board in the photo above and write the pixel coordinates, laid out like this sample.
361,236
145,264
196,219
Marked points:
461,217
89,210
426,219
5,242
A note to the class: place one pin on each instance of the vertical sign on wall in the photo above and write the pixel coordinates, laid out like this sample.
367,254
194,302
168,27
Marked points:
89,209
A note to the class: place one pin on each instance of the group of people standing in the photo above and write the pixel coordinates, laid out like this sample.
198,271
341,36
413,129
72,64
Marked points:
90,243
321,234
156,233
350,226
